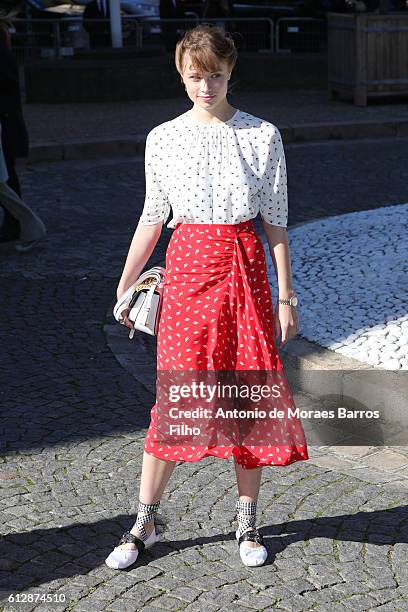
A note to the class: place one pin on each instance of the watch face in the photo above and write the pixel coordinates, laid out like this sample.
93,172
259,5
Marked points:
294,301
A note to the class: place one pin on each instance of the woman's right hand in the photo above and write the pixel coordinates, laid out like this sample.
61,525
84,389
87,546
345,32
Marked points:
125,316
125,312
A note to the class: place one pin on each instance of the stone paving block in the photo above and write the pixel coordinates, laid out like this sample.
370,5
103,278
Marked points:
201,607
299,585
276,592
295,603
207,583
222,596
185,573
166,602
235,606
401,574
397,484
386,460
399,552
348,572
83,606
337,607
398,605
143,573
360,602
332,462
352,451
265,581
351,587
297,573
372,476
324,596
403,472
85,580
141,593
402,589
321,577
122,605
167,582
382,579
187,593
384,596
348,551
230,576
256,601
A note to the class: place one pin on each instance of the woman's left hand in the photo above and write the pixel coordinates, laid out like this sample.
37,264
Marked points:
286,322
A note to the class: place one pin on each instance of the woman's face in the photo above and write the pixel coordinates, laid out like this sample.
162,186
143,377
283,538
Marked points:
209,89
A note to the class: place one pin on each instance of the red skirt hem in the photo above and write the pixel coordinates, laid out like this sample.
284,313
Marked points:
246,458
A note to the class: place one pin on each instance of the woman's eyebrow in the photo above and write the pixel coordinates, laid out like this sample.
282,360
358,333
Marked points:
196,73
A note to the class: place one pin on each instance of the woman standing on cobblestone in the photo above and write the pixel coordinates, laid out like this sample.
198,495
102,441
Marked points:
217,167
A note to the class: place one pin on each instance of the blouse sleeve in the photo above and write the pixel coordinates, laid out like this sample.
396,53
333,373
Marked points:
156,205
273,194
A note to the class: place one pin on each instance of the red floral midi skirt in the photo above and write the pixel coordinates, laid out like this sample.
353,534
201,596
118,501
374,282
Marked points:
217,315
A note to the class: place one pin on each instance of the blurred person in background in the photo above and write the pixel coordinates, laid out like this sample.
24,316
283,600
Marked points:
99,33
218,8
171,9
17,221
32,229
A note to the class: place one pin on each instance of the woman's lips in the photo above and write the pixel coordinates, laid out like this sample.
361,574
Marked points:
207,97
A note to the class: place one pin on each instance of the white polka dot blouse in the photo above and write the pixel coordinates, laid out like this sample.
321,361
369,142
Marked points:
215,173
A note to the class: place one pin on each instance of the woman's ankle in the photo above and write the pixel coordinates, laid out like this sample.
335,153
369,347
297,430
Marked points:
148,527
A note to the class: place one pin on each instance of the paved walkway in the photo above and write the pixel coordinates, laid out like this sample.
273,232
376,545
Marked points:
336,526
65,123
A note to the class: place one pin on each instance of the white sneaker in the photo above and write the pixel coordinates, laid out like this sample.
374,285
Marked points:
251,557
120,558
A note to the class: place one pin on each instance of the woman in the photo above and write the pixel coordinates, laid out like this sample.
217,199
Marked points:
217,167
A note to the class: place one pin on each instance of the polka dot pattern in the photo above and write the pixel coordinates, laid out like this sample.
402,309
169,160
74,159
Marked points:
217,314
215,173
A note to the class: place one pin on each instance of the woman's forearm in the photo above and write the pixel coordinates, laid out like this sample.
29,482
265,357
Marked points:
280,253
143,242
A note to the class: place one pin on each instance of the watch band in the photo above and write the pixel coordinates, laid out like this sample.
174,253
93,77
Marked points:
289,302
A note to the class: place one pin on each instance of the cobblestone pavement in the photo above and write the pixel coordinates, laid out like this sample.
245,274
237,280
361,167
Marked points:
74,421
70,122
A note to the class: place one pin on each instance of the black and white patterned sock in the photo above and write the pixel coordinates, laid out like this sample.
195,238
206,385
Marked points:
145,514
246,515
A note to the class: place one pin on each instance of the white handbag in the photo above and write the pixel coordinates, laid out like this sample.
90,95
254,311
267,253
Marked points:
144,300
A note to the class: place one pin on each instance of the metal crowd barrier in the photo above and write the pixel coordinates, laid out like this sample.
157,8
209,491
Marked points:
56,38
47,38
249,33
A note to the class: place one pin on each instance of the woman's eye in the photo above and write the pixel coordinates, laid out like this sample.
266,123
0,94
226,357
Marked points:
196,78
